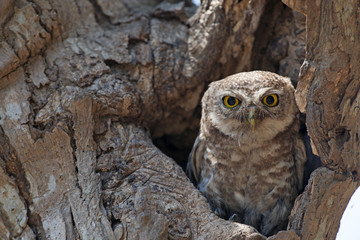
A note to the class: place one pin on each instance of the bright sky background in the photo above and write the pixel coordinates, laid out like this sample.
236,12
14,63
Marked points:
350,224
196,2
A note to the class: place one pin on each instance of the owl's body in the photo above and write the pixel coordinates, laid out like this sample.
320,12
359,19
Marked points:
249,158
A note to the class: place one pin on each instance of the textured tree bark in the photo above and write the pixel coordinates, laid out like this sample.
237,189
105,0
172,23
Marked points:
328,92
81,82
86,85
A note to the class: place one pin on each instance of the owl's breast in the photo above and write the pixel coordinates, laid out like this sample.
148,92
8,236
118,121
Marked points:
248,179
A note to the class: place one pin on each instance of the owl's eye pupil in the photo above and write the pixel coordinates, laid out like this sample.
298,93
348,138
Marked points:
231,101
270,100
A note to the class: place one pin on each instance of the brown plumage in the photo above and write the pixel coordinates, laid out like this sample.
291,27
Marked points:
249,157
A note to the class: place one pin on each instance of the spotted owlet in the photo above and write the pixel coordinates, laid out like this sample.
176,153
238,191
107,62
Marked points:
249,157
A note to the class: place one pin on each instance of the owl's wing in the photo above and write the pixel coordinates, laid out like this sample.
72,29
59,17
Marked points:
299,160
195,160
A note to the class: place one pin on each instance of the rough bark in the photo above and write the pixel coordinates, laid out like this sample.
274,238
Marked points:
86,85
328,92
80,82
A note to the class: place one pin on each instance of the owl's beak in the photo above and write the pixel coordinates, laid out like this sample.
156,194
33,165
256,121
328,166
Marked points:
251,117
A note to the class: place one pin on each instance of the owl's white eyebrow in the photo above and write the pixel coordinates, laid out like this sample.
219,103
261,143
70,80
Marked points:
269,90
235,93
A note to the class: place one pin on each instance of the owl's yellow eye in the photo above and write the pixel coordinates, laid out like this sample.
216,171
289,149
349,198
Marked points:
271,100
230,102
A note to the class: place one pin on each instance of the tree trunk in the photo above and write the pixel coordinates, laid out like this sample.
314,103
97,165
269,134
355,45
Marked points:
86,87
328,92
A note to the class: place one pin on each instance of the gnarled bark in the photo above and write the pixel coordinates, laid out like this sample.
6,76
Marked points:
79,82
328,91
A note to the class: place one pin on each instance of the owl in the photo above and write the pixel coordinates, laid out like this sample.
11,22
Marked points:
248,159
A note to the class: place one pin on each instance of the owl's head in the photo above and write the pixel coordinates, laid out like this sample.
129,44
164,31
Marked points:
254,104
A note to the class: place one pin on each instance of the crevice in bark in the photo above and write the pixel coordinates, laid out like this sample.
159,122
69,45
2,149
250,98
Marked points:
71,133
342,135
100,17
14,168
266,38
178,146
313,162
35,223
73,232
110,63
10,13
37,130
280,41
39,98
39,12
